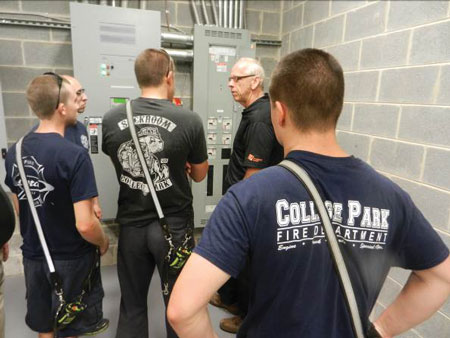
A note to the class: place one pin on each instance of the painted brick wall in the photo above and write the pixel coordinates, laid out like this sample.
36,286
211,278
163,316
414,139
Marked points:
30,51
396,59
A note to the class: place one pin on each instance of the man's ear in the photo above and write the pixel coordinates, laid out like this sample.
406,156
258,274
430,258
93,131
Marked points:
282,113
256,81
170,78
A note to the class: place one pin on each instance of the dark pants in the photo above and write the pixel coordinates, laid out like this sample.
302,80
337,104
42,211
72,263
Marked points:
141,249
236,291
42,301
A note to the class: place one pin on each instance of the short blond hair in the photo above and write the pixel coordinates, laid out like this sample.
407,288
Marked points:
42,95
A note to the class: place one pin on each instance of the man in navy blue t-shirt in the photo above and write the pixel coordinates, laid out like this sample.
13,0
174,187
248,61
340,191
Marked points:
270,218
62,183
77,133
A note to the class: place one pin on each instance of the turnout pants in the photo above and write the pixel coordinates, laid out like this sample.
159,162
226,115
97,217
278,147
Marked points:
140,250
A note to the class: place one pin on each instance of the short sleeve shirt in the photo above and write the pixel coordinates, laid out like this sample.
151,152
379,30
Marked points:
59,174
255,144
294,290
169,136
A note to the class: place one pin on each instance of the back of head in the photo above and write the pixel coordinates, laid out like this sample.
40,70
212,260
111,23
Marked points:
310,82
151,66
43,95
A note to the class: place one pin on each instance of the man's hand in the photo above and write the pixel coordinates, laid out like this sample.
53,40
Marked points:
5,252
97,209
104,248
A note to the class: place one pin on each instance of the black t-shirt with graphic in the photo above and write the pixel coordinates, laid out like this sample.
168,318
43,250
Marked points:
59,174
169,136
255,144
294,289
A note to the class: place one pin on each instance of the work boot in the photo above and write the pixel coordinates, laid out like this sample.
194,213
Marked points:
99,328
217,301
231,325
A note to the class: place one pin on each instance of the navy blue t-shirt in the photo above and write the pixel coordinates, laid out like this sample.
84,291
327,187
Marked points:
60,174
76,134
294,290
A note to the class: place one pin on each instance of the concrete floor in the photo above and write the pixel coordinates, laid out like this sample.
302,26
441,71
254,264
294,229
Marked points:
15,307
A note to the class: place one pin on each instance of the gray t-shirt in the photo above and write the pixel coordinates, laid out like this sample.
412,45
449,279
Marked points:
169,136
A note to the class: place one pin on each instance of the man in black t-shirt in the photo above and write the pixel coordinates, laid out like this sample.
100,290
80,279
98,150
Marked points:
173,144
295,290
62,183
254,148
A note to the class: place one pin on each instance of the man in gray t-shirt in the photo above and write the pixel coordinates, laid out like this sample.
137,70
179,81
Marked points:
173,143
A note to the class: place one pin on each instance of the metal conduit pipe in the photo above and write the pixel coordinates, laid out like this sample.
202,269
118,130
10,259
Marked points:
103,2
181,54
213,5
230,14
236,13
205,13
177,38
113,3
124,3
194,9
225,13
220,13
142,4
241,14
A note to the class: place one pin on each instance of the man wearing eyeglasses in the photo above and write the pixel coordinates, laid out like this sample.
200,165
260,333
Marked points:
62,183
169,137
254,148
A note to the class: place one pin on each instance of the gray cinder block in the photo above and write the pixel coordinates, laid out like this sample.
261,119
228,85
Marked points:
397,158
254,21
430,44
376,119
11,53
347,54
437,168
385,51
361,86
48,54
365,21
60,7
301,38
357,145
269,5
17,127
425,124
15,104
329,32
24,33
343,6
271,23
345,119
17,78
315,11
292,18
433,203
444,87
408,85
404,14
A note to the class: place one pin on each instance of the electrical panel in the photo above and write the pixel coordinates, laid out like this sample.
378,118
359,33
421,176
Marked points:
216,50
105,43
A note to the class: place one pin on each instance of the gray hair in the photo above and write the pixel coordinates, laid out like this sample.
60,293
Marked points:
253,66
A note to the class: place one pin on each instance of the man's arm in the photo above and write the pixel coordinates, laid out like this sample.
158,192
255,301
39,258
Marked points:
89,226
197,171
15,203
187,310
97,209
423,294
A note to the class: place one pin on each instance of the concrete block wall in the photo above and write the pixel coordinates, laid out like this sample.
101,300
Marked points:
30,51
396,117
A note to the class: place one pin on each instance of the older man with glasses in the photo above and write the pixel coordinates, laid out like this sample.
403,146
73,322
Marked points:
254,148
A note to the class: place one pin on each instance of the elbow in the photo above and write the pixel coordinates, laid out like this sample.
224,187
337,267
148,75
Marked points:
86,227
175,316
199,177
